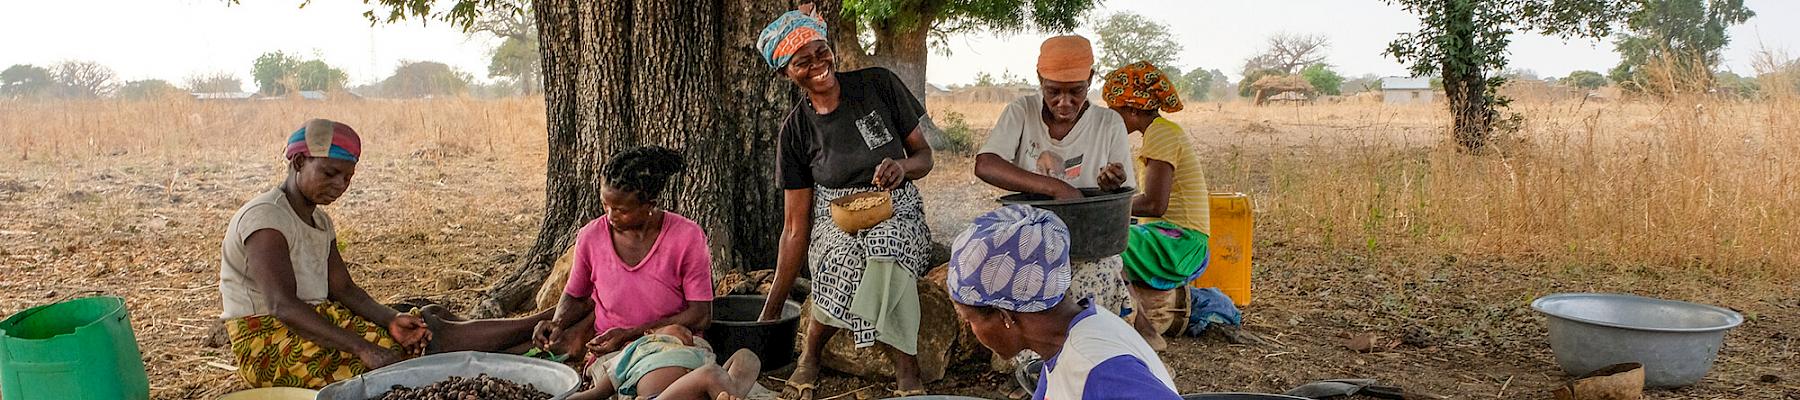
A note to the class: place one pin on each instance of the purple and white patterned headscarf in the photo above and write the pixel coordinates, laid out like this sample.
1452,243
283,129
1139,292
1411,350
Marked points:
1015,258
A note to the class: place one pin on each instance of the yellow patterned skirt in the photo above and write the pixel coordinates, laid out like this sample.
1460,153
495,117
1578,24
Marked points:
268,354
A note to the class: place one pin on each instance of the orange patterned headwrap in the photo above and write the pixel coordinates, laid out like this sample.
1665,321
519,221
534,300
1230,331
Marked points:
1141,86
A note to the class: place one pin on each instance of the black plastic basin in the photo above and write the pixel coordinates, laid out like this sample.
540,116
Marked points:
735,327
1098,223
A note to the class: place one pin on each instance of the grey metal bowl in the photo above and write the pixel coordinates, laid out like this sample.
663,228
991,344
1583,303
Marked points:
1675,341
550,377
1098,223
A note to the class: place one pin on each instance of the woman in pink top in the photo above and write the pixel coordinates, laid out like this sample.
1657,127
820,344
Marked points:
638,267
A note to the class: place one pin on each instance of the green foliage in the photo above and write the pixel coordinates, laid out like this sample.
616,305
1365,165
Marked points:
1364,83
1323,78
1465,41
958,16
984,79
517,60
1125,38
148,89
425,78
959,138
25,81
277,73
1731,84
1589,80
1686,36
1244,89
1197,85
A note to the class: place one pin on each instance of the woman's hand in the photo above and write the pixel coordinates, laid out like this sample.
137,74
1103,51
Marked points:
410,331
546,333
889,174
374,357
1111,177
613,340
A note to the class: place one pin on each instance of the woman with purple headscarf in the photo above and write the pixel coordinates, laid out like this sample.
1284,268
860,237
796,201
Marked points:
1008,276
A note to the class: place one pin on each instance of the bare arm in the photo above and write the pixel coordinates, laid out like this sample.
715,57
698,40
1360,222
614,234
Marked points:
696,317
274,274
345,291
796,232
1159,180
1000,173
915,166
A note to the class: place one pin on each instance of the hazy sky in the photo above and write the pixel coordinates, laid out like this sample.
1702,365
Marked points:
172,39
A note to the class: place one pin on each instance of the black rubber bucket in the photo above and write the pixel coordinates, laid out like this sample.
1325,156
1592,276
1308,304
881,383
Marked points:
1098,223
735,327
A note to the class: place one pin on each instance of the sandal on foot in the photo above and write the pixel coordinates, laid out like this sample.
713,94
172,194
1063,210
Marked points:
797,391
909,393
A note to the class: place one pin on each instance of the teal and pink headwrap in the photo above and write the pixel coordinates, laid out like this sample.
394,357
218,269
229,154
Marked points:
782,38
326,139
1015,258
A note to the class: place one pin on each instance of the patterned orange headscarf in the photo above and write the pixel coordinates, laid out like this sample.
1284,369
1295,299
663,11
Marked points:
1140,86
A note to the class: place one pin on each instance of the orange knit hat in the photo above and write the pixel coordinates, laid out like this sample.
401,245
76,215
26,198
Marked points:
1068,58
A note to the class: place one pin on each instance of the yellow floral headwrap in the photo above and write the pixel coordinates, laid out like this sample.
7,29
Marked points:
1141,86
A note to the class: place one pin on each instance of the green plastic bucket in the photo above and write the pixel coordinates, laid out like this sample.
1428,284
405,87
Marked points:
77,349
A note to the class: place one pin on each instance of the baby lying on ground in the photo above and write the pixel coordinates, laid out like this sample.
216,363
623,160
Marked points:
670,364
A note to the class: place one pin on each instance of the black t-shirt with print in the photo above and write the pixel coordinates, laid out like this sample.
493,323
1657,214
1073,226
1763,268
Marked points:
841,150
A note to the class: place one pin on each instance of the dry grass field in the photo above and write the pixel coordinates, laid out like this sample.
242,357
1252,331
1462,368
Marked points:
1368,222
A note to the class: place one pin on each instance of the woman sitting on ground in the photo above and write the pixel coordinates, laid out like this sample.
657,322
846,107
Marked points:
637,268
294,314
1168,247
671,364
1007,277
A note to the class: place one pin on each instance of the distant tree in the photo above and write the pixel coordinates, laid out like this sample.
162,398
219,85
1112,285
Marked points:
1008,78
1589,80
1364,83
1520,74
25,81
1199,85
148,89
516,59
1126,37
1465,41
1244,89
1685,36
425,78
278,73
1731,84
1221,85
984,79
214,82
1287,52
85,79
1324,79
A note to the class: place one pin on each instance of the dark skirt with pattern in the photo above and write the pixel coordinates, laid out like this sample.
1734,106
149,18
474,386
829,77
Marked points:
837,259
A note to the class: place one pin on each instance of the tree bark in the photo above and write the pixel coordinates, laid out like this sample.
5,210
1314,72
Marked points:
624,73
906,52
1465,84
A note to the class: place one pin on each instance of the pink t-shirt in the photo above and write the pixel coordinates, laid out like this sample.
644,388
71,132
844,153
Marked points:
677,270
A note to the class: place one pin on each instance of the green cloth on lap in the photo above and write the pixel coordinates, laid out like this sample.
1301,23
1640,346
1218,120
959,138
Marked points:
1164,255
888,297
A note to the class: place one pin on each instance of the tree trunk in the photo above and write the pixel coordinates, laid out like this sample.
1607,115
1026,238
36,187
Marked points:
1465,84
624,73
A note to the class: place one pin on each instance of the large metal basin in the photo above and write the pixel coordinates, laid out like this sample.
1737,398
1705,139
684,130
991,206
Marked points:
1098,223
1675,341
734,327
549,377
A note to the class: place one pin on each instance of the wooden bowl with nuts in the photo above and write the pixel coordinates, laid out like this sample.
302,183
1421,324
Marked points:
856,212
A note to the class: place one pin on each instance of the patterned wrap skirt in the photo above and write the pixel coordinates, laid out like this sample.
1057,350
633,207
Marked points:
837,259
269,354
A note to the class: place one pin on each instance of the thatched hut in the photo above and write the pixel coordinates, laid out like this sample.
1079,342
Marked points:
1272,86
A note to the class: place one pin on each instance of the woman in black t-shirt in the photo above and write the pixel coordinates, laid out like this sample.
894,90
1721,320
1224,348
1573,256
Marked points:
852,132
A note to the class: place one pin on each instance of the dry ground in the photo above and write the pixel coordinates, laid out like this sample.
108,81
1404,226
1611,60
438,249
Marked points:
131,200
